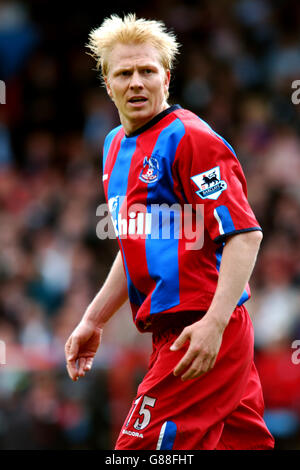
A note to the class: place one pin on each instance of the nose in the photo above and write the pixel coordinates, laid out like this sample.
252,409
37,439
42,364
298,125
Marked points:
136,81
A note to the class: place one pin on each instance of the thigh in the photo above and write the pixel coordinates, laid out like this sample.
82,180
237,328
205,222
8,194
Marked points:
167,418
245,428
168,413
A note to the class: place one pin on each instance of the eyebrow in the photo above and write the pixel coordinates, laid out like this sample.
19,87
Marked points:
129,67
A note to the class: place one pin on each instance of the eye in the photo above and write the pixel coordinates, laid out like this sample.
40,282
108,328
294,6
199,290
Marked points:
148,71
123,73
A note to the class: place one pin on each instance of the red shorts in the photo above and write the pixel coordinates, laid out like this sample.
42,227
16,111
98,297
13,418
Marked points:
222,409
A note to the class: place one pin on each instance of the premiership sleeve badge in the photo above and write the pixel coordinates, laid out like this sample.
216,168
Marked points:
209,183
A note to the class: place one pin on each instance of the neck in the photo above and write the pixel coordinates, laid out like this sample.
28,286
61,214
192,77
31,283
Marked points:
130,126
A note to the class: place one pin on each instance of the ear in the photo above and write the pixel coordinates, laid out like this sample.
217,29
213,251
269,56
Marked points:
107,86
167,80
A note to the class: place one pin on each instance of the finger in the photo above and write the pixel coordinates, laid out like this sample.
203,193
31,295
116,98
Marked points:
71,352
185,362
181,340
81,366
84,365
191,373
198,368
71,349
89,363
72,370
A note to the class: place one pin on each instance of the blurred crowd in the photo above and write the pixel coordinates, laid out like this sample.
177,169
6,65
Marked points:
238,61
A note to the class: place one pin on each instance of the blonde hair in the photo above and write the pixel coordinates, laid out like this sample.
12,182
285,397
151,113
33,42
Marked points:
130,29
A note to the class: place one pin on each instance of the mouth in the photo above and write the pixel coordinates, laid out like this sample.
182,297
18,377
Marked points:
137,100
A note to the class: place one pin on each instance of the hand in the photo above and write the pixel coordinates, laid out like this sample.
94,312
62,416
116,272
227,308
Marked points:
205,338
80,349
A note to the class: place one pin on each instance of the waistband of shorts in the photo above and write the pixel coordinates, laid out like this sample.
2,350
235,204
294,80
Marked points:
172,322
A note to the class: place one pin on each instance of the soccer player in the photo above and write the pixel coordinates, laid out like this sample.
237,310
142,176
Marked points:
202,390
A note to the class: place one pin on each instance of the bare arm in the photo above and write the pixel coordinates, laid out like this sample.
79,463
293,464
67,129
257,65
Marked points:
205,336
81,346
111,296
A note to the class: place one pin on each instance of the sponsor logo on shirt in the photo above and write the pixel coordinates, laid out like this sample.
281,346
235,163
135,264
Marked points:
132,433
150,171
209,183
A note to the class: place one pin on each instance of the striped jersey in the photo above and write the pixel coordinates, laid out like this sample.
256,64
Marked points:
175,190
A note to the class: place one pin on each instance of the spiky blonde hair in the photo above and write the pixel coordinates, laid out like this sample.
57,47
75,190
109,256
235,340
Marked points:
130,29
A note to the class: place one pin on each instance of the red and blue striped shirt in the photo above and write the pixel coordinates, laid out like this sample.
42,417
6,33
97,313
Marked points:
175,161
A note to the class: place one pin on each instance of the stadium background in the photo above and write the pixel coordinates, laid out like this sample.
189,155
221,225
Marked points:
237,65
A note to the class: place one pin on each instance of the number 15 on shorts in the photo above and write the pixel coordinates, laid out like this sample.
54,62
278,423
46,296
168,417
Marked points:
144,412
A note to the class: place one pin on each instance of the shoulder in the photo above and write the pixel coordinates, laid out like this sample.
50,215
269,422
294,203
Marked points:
193,124
200,135
108,142
110,136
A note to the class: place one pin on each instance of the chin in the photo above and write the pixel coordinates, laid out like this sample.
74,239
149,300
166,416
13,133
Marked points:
142,114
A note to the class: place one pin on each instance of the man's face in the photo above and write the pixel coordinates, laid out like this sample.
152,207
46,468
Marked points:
137,83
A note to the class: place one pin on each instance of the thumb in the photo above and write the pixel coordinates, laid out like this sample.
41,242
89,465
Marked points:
72,348
180,341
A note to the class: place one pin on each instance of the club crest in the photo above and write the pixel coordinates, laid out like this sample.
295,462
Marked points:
209,183
150,171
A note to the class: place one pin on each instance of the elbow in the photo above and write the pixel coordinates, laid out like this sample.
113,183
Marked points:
254,239
260,238
257,236
250,240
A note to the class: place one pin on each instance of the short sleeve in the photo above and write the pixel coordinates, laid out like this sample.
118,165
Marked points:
209,173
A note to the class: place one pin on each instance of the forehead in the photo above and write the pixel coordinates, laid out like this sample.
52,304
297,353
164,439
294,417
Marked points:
126,55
